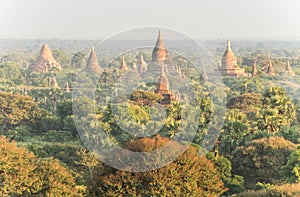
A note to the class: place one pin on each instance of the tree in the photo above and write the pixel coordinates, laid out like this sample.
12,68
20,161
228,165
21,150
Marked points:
235,183
23,174
235,131
78,60
61,57
292,170
277,110
18,110
261,160
188,175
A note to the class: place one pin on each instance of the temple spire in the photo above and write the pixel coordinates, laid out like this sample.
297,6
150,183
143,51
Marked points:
142,67
288,68
160,52
92,64
270,70
123,66
254,69
67,87
54,83
163,82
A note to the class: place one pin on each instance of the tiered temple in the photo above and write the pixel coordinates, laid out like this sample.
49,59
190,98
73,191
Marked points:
92,65
45,61
229,66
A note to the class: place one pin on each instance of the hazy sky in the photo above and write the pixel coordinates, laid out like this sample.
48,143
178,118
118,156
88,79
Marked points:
202,19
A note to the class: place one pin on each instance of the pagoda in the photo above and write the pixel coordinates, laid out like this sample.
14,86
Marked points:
270,69
45,61
229,66
163,89
123,66
288,69
142,66
53,83
159,53
92,65
254,69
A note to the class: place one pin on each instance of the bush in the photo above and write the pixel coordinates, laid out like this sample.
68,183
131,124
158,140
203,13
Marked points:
23,174
261,160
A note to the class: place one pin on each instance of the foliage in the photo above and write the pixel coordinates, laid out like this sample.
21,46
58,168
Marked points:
235,183
261,160
287,190
144,98
23,174
61,57
11,74
235,131
249,103
189,175
78,60
277,110
18,110
292,170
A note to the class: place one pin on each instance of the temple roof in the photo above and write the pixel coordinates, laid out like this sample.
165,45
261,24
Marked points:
92,64
46,53
45,61
123,65
160,52
229,61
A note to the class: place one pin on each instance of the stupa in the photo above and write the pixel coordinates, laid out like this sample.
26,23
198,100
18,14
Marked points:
270,69
229,66
67,89
123,66
92,65
45,61
163,89
254,69
53,83
142,66
159,53
288,69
